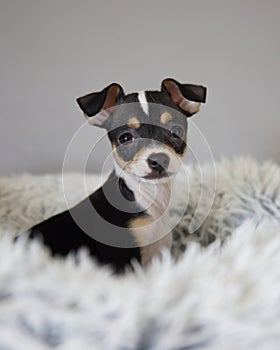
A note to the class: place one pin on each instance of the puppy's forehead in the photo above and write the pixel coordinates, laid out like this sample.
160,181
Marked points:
148,98
147,107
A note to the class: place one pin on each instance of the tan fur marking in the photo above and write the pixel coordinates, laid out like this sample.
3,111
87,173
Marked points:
119,160
171,149
142,230
138,154
165,118
133,123
186,148
140,222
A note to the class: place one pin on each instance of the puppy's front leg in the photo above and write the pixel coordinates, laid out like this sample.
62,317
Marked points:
150,251
146,230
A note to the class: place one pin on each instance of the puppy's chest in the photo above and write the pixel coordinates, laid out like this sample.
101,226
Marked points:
154,224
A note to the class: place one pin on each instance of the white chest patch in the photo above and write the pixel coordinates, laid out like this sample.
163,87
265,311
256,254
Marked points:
143,101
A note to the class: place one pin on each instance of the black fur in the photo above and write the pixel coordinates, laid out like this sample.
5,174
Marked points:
62,234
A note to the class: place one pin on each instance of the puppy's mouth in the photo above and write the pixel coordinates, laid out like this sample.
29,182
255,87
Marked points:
157,176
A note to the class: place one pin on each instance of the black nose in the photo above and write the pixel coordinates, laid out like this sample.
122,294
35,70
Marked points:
158,162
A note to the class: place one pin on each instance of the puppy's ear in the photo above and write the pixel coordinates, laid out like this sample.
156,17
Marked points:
98,106
186,96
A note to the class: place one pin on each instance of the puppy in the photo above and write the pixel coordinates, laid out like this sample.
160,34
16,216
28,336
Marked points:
127,218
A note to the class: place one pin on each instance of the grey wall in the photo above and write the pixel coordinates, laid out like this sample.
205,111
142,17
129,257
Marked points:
53,51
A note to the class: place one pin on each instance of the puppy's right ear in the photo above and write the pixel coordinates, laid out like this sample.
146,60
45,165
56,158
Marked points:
98,106
186,96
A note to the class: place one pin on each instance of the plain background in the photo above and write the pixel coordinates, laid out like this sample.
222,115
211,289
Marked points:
54,51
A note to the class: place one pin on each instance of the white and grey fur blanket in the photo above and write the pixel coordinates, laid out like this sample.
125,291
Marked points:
224,295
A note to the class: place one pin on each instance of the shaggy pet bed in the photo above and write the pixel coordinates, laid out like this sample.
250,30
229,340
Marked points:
223,295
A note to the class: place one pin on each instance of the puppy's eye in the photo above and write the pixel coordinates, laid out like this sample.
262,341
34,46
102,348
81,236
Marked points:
126,138
177,131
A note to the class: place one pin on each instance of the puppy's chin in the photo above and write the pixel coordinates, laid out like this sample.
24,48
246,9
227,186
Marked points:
156,181
153,179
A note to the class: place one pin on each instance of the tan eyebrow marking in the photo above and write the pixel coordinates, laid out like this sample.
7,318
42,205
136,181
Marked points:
133,123
165,118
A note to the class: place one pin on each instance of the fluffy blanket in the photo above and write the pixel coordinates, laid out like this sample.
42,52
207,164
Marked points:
223,295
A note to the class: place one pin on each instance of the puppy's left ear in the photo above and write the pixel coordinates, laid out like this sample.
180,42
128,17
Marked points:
186,96
98,106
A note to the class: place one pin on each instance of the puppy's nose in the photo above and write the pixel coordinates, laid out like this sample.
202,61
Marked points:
158,162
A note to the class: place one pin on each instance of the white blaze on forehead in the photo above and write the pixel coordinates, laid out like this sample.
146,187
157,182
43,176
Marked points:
143,101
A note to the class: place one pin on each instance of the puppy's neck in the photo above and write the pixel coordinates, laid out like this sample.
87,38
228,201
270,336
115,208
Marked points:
153,196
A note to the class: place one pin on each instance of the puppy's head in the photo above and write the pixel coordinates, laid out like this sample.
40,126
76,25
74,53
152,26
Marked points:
148,130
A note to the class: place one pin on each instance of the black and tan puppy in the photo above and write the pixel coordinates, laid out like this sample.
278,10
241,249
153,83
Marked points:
128,216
